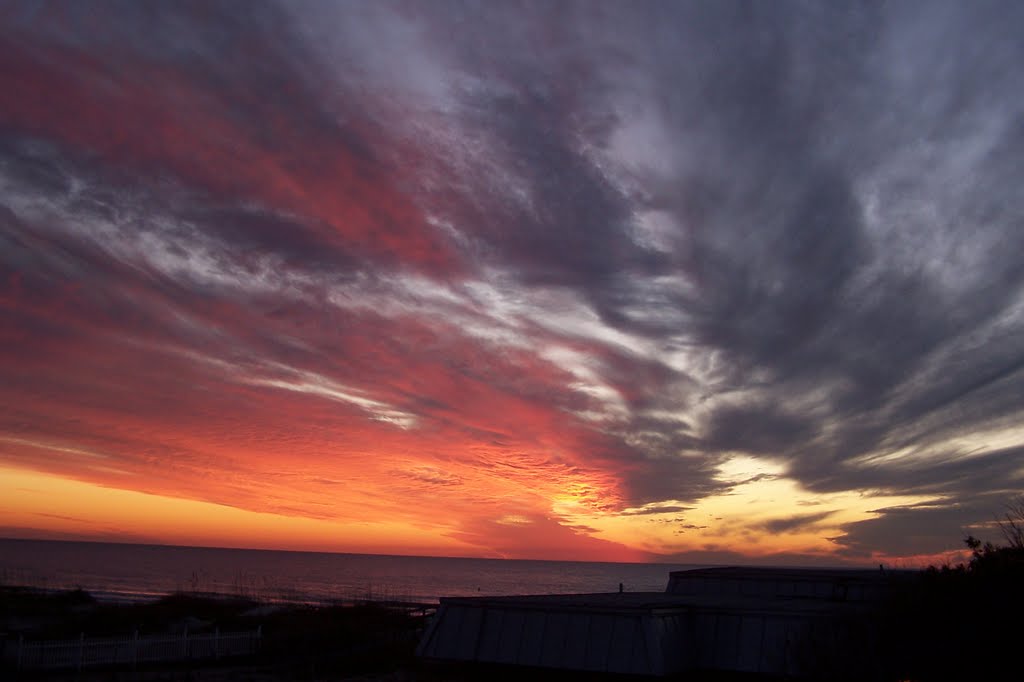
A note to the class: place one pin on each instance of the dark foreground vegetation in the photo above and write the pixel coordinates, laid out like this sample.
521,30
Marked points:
951,622
297,642
963,622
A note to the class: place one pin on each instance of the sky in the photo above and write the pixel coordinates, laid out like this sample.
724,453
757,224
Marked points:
653,281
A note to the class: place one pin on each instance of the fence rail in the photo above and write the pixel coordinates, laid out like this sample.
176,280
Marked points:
130,650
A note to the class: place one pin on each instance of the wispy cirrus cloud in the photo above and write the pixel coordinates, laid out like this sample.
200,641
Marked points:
543,262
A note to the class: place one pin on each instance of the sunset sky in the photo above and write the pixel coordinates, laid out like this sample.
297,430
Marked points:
680,281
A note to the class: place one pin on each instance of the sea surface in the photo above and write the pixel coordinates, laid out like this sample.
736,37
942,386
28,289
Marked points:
120,572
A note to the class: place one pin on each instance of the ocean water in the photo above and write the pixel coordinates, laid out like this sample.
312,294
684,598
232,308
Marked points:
141,572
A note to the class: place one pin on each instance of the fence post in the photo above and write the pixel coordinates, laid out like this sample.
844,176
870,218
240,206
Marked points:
135,650
216,644
184,643
21,644
81,649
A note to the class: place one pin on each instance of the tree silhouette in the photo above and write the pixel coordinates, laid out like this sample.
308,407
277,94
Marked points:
958,622
1012,524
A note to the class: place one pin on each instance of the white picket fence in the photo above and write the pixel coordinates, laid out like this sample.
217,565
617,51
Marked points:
129,651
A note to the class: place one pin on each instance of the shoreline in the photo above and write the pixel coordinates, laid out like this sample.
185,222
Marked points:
116,598
266,595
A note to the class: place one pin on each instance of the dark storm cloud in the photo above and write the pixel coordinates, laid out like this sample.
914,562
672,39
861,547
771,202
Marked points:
925,529
845,183
537,101
263,232
791,523
755,429
962,472
574,228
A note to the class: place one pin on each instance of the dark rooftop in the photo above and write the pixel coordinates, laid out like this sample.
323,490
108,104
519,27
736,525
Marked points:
646,602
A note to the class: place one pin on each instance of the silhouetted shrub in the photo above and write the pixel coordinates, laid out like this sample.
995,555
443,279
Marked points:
961,622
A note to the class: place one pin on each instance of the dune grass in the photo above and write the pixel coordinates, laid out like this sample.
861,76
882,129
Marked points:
298,641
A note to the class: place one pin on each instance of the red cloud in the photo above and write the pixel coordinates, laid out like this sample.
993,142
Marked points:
243,144
126,396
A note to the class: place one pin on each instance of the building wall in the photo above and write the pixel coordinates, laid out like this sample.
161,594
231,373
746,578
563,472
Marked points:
570,640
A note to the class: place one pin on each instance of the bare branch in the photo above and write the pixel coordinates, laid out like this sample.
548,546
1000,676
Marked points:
1012,525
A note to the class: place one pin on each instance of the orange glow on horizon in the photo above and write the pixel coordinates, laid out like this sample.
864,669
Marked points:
46,506
50,506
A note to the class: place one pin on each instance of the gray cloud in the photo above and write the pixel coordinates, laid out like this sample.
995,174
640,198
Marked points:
796,522
923,529
663,509
847,214
800,225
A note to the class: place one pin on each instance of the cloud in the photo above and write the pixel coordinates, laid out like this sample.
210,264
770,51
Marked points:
655,509
433,475
477,263
534,537
921,530
794,523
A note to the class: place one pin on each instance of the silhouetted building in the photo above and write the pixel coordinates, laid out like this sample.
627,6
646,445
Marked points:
757,620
